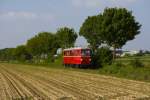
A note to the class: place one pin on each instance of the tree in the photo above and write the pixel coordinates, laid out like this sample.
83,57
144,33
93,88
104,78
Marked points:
42,44
90,30
21,53
7,54
114,27
66,37
119,26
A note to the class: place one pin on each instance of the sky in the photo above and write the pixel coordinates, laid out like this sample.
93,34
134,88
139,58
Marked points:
22,19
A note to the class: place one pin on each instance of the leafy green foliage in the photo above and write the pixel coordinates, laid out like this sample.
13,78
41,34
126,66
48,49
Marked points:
119,26
7,54
127,72
43,43
119,64
90,30
136,63
41,47
115,26
66,37
101,57
21,53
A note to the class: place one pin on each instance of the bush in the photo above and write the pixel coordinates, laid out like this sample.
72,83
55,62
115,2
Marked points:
113,69
141,53
136,63
102,56
120,64
127,55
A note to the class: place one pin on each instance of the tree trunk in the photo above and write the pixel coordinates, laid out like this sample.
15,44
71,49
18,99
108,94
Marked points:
114,53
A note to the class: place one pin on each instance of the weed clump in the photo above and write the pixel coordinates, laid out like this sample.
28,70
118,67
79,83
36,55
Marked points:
136,63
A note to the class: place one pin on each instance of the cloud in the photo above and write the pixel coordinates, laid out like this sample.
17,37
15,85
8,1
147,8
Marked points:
23,15
100,3
124,1
86,3
18,26
13,15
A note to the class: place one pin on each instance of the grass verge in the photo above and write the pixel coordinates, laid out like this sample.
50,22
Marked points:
129,72
122,70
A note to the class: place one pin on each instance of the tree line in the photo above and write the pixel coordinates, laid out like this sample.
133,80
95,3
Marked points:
41,47
113,28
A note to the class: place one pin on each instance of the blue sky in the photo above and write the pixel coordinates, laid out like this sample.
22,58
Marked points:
22,19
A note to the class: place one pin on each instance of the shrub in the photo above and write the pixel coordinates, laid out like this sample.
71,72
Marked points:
136,63
141,53
102,56
120,64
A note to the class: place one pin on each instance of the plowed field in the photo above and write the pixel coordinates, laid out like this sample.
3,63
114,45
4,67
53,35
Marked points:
31,82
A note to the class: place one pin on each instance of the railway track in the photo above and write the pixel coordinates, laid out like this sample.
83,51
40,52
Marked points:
31,82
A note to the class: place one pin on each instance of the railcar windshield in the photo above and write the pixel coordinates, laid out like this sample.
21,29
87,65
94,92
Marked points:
86,52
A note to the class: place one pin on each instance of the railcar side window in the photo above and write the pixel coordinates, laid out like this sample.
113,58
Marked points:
64,53
71,53
67,53
77,53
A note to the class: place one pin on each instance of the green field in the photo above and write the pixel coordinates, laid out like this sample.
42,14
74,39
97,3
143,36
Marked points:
145,59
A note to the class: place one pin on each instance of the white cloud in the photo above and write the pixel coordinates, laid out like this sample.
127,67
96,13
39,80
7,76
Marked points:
100,3
123,3
86,3
11,15
127,1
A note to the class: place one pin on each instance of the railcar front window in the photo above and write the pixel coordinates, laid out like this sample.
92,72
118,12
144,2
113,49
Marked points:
85,52
88,52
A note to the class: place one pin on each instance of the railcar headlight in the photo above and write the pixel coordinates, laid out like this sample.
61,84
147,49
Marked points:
90,59
81,59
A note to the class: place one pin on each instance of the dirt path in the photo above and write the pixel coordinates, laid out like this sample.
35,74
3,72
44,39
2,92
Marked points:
29,82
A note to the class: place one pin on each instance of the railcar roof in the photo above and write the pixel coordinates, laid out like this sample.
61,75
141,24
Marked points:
75,48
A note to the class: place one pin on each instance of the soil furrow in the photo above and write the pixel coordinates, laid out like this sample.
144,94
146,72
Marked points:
31,82
65,87
117,91
34,87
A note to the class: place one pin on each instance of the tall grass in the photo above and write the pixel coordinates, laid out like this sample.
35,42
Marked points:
127,71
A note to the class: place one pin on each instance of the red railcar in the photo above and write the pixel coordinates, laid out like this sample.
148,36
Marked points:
77,56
